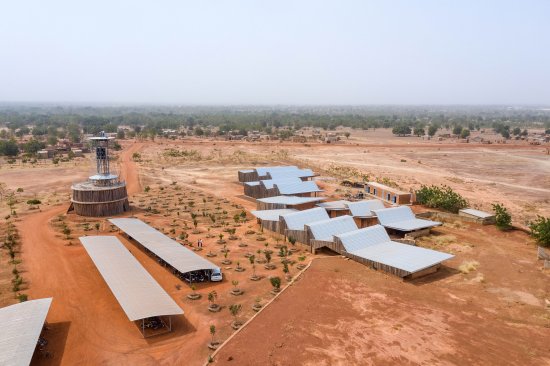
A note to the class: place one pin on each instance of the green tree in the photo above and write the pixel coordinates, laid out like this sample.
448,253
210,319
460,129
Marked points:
120,134
457,130
419,131
9,148
401,130
540,230
432,130
503,219
33,146
465,133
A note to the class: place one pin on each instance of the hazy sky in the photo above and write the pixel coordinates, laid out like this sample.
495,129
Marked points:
276,52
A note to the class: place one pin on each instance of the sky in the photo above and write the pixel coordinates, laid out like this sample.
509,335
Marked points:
276,52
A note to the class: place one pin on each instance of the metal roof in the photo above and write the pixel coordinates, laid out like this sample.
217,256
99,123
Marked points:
298,187
362,238
289,173
262,171
269,183
403,219
172,252
21,326
365,208
374,244
334,205
255,183
290,200
246,170
297,220
326,229
477,213
137,292
272,215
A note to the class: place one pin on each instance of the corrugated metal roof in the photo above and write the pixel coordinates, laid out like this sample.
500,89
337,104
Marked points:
298,187
268,183
403,219
362,238
297,220
272,215
365,208
334,205
255,183
246,171
172,252
373,243
326,229
262,171
297,173
477,213
405,257
137,292
21,326
290,200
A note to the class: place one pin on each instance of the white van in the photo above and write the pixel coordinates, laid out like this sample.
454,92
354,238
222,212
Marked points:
216,275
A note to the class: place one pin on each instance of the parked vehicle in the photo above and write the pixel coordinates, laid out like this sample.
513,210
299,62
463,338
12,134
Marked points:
216,275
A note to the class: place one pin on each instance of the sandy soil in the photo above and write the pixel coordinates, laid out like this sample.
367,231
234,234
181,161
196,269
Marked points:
435,320
342,313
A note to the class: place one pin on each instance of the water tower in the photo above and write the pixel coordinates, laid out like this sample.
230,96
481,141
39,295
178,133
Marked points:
103,194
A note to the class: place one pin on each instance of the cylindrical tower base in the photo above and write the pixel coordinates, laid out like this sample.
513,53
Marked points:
90,200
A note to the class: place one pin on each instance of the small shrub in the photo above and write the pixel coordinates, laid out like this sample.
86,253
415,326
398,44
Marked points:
468,266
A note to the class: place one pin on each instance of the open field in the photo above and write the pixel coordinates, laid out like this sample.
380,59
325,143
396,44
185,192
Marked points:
339,311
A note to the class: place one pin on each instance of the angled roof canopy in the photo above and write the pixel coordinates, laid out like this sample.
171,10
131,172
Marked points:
326,229
169,250
21,325
137,292
477,213
290,200
297,187
334,205
269,183
297,220
365,208
290,173
272,215
403,219
374,244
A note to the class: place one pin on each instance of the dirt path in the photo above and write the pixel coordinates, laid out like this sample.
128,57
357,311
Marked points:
129,169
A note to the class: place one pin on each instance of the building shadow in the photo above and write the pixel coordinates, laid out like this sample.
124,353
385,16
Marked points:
443,273
56,334
180,327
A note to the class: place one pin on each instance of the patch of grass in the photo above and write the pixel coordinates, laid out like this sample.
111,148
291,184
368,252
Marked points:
468,266
444,240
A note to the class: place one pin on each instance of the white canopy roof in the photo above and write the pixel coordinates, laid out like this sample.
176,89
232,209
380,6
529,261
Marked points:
365,208
334,205
403,219
137,292
374,244
289,173
21,325
169,250
326,229
262,171
297,220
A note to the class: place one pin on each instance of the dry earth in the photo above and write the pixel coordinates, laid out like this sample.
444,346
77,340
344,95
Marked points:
339,311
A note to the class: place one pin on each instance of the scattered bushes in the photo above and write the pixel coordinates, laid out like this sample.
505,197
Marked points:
442,197
540,230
